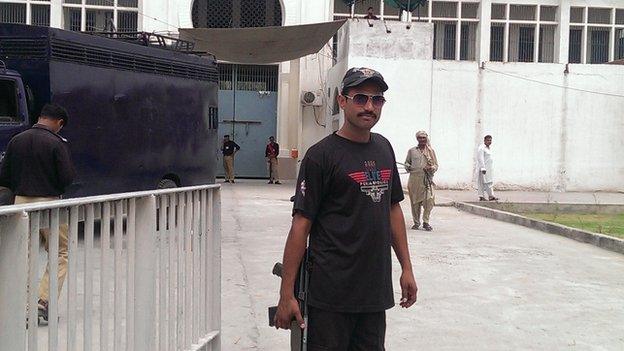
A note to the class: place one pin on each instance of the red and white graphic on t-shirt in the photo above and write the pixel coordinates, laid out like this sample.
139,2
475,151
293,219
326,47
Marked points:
373,182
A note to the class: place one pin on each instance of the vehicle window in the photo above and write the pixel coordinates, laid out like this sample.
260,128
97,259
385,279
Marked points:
9,112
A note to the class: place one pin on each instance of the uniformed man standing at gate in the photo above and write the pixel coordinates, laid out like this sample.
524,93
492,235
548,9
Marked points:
37,167
229,149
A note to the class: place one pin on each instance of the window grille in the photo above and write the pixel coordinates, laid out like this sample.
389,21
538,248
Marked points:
619,44
498,12
467,46
522,12
576,15
497,42
598,45
521,42
470,10
619,16
127,21
547,44
40,15
576,45
72,19
548,13
236,14
248,77
12,13
100,2
444,9
444,39
226,76
128,3
250,13
598,16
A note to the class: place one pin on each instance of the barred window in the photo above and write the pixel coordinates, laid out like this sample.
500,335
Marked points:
598,45
127,21
40,15
598,15
497,42
521,42
444,34
99,20
12,13
72,19
236,14
548,13
619,44
577,15
547,44
498,12
576,45
467,46
522,12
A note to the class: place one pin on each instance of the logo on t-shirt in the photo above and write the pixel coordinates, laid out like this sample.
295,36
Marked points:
373,182
302,188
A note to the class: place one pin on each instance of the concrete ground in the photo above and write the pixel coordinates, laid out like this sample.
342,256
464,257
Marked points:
483,284
447,196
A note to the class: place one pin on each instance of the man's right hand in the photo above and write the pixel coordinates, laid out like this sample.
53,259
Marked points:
287,309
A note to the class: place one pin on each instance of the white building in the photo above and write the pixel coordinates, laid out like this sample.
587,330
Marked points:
522,70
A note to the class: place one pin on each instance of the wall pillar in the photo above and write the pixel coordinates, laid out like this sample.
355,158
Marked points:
483,31
56,13
562,34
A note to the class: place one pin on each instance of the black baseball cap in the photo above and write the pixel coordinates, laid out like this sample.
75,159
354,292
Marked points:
358,75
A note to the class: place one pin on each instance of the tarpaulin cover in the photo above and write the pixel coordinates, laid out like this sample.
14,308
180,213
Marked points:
262,44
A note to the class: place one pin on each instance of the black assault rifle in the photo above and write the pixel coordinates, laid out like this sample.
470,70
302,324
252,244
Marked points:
298,336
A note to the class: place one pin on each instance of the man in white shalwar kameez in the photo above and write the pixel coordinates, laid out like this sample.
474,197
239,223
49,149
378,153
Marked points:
485,174
421,163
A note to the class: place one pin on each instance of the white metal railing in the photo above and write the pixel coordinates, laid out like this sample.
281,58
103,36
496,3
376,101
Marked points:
155,284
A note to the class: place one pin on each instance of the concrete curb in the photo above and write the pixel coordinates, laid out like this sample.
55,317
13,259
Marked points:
599,240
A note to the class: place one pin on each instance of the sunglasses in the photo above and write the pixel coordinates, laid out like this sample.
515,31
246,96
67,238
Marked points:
362,100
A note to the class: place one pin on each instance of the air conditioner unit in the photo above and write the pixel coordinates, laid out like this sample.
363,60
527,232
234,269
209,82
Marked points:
311,98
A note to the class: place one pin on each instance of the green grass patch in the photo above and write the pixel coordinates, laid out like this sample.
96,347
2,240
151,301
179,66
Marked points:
608,224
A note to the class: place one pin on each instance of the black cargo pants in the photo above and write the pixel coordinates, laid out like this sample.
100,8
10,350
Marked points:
336,331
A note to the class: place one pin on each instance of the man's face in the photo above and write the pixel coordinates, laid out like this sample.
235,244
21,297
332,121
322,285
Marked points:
422,140
271,140
370,11
359,112
487,141
226,139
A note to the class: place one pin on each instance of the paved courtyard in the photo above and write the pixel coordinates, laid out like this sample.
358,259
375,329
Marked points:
483,284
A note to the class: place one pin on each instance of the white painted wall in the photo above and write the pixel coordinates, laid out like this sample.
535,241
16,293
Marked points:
545,137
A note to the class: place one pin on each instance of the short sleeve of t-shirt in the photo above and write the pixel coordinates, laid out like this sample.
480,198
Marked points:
309,192
396,194
397,189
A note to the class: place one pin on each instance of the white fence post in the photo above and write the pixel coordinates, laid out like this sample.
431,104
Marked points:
14,233
145,275
216,271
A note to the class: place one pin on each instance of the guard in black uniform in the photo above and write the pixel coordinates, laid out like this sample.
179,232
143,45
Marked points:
37,167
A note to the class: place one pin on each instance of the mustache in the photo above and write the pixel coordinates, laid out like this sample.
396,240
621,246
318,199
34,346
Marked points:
367,114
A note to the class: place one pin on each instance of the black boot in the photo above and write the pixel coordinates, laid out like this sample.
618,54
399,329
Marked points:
427,227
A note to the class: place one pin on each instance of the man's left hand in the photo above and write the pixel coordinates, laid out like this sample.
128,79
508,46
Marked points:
408,289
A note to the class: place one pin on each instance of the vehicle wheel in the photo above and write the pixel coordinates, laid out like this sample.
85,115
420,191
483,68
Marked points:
6,196
166,183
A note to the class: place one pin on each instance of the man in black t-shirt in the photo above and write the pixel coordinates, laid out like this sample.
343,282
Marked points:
347,200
